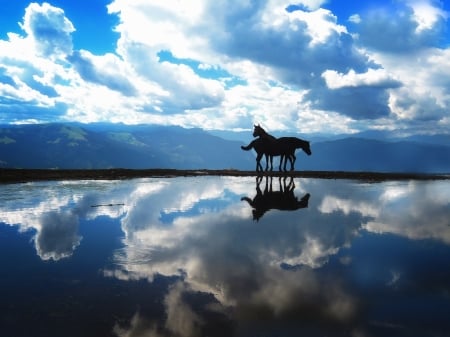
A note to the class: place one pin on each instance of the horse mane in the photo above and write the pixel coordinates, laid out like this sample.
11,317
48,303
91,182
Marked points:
265,134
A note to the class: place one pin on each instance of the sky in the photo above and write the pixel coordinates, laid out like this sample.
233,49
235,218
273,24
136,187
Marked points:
310,66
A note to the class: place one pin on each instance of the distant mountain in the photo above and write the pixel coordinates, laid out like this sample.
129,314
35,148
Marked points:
358,154
87,146
113,146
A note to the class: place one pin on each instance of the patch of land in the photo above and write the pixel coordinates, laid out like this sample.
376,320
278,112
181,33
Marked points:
27,175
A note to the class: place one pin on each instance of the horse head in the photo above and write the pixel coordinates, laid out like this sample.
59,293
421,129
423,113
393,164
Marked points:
307,148
258,131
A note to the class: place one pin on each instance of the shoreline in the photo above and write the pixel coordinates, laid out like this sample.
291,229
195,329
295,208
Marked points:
28,175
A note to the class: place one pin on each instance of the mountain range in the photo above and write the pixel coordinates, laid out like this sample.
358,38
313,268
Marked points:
93,146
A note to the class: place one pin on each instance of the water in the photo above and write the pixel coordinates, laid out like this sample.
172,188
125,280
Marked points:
210,256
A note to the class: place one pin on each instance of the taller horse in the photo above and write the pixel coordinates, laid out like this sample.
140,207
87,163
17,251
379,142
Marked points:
270,146
259,145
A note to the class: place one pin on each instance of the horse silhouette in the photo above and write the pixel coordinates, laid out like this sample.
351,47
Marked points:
270,146
284,199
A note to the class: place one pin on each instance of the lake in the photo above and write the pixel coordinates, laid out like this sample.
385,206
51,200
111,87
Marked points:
225,256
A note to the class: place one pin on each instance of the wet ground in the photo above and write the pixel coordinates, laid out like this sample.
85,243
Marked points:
24,175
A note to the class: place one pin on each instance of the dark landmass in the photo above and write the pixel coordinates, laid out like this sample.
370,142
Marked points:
27,175
67,146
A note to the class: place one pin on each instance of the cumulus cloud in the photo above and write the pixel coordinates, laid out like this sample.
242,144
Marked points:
296,47
287,66
412,25
102,70
428,14
49,29
424,95
371,78
359,95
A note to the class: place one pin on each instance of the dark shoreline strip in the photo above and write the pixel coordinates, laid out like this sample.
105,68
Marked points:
26,175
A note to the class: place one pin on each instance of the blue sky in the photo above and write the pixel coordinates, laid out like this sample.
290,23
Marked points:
305,66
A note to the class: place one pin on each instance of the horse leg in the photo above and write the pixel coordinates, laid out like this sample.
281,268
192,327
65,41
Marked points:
291,185
293,159
281,161
271,162
258,162
267,161
290,161
286,157
258,181
266,187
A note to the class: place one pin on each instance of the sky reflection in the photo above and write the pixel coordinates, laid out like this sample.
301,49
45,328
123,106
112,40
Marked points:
245,257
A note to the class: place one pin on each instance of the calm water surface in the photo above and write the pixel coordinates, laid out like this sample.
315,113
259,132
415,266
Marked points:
210,256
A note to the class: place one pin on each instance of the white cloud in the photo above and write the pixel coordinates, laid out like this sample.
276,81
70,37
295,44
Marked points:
407,27
373,77
355,18
426,14
425,92
289,70
312,4
250,28
321,24
49,29
162,26
107,70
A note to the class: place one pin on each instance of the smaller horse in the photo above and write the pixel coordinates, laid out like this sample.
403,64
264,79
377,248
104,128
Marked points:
292,144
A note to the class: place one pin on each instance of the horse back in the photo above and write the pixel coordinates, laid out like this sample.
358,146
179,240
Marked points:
292,142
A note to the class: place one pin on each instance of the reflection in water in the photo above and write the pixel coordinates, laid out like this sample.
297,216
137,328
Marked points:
357,260
58,236
52,211
283,199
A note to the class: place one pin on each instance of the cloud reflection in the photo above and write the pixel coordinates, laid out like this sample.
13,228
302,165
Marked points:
254,268
53,210
300,266
58,236
272,270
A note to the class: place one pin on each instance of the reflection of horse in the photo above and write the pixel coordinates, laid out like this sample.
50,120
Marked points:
270,146
284,199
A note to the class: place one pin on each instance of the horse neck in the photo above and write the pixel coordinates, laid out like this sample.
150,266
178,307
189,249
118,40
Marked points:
300,143
266,135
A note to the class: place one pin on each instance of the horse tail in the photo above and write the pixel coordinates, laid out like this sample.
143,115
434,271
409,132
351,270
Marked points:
249,146
250,201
